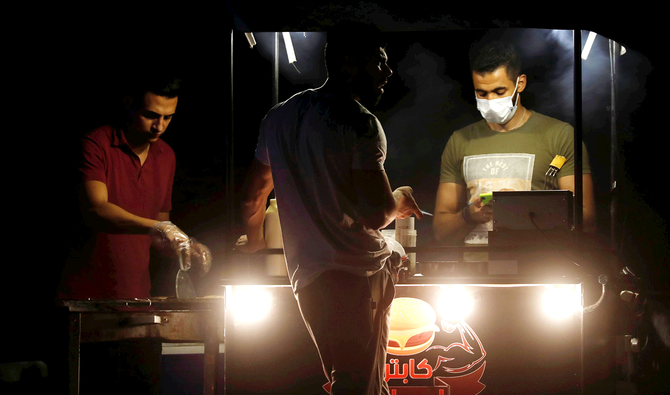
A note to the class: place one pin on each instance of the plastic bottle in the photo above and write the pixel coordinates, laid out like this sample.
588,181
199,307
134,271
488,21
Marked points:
275,264
405,234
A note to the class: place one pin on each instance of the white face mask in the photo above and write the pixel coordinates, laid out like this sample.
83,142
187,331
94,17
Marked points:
498,110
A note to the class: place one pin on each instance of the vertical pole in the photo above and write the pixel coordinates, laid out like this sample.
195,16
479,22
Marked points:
578,133
275,71
74,346
578,207
614,61
230,153
211,354
581,338
275,82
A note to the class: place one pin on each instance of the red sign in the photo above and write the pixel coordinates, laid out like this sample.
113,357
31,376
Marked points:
424,358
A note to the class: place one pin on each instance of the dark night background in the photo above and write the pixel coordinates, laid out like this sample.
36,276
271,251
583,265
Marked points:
66,67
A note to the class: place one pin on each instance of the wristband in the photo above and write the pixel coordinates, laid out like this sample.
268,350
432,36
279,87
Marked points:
465,213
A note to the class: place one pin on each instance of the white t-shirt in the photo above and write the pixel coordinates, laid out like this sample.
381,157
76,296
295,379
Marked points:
312,141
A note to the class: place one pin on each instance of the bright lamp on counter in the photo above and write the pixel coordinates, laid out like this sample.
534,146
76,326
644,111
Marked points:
249,304
454,303
561,301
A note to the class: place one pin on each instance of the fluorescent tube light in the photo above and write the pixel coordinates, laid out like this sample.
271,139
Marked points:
289,47
250,39
589,43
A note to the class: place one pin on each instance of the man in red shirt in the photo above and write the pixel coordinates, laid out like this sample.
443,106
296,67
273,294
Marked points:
127,175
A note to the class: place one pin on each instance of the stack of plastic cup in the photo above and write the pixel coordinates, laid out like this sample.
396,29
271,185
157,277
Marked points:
405,234
389,233
275,264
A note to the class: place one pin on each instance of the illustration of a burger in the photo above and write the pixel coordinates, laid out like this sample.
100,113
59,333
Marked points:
412,327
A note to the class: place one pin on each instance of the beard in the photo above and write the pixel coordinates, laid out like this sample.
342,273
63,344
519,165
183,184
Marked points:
364,86
371,100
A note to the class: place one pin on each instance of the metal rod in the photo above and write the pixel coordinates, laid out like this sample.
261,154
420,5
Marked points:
275,71
579,213
614,61
230,152
275,82
483,248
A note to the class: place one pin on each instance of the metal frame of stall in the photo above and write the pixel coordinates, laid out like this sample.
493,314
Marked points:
578,134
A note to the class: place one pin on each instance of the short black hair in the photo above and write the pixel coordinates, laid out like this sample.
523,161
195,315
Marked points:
488,57
356,39
158,83
164,86
137,86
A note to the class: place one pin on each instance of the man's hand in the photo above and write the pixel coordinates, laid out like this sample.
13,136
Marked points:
202,255
406,203
243,244
395,265
168,239
481,213
449,226
195,252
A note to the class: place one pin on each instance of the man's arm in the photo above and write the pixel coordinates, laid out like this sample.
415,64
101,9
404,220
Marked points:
448,224
588,202
100,214
377,203
257,188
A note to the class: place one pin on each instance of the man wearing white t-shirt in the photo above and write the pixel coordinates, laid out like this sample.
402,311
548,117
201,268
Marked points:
323,152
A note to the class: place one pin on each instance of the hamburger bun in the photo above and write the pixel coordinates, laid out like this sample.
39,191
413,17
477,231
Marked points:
412,327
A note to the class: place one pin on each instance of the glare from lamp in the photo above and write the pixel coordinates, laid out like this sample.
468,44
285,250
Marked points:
289,47
454,303
250,304
587,46
560,301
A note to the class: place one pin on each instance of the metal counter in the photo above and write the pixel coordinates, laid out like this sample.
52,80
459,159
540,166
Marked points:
510,341
170,320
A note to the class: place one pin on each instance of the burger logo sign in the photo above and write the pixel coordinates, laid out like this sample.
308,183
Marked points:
430,359
412,326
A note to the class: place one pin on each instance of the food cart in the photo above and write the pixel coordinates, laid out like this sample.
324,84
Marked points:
482,331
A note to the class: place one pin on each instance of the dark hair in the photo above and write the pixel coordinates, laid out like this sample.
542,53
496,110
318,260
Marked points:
161,84
355,39
489,57
164,86
136,87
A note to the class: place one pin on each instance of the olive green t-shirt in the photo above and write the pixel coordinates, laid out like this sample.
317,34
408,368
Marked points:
484,160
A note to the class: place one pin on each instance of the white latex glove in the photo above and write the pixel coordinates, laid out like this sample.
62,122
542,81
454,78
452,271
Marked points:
202,255
168,239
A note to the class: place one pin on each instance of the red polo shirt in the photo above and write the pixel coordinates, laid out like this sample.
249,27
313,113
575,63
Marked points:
116,266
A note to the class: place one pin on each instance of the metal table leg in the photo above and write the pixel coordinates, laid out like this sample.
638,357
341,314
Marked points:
211,356
73,352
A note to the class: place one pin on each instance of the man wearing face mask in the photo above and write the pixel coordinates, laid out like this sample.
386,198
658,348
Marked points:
510,149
